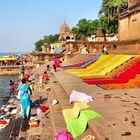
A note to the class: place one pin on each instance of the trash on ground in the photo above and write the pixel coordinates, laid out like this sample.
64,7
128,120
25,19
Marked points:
54,102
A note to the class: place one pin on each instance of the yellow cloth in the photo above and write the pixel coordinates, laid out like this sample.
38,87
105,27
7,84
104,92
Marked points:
61,59
31,87
74,112
58,45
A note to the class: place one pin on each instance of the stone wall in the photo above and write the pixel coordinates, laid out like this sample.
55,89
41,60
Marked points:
133,2
129,27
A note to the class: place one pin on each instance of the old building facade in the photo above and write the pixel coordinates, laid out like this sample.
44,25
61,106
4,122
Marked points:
129,26
65,33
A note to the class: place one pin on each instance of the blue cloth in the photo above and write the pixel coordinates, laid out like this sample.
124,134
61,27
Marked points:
86,63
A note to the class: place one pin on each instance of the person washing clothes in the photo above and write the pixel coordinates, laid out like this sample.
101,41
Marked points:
24,98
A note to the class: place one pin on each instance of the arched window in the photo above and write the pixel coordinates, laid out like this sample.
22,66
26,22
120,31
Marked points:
67,38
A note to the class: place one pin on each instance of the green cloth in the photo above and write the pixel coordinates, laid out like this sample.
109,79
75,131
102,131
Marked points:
77,126
74,112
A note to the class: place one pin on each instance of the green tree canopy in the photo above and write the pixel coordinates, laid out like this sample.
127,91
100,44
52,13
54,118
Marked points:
108,14
47,39
38,45
85,28
51,38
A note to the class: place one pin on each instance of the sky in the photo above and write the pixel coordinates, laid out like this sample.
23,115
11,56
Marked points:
24,22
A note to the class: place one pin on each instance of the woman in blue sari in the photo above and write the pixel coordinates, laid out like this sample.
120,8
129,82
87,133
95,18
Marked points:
24,97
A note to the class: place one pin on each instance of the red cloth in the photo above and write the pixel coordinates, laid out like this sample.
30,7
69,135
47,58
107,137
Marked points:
44,108
123,77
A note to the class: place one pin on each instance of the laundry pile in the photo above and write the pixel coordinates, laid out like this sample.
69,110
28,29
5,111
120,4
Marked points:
34,122
8,111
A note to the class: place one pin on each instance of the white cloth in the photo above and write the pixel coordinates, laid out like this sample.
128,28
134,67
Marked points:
80,97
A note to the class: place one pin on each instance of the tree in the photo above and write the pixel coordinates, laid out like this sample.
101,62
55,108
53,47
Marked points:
47,39
38,45
93,27
109,12
85,28
51,38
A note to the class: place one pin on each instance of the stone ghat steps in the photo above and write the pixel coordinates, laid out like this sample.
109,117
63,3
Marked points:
79,58
123,51
114,106
44,130
56,111
12,131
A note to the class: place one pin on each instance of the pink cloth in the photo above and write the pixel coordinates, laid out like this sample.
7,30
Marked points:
57,63
80,97
63,135
38,111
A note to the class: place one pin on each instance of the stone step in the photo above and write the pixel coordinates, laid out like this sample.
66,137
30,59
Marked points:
80,58
121,51
56,111
112,125
17,124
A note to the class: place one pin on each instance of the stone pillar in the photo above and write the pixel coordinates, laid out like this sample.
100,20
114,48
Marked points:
67,47
71,47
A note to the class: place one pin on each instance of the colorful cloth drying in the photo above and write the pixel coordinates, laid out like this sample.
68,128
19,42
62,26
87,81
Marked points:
74,112
43,108
80,97
3,124
63,135
77,126
34,123
56,48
